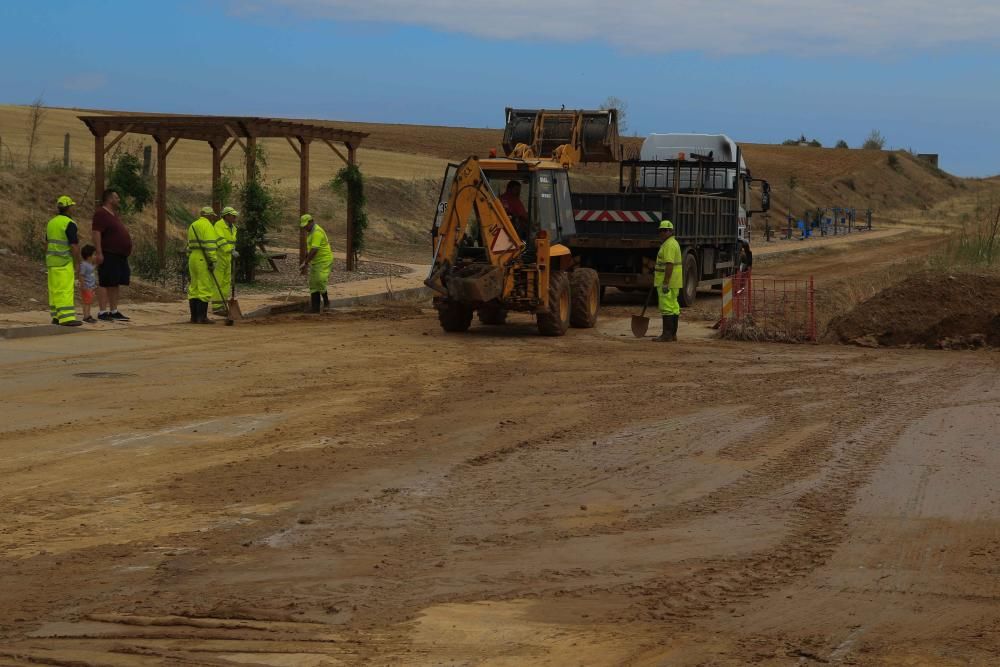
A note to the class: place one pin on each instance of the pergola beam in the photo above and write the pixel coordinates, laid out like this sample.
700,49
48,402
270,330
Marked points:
222,133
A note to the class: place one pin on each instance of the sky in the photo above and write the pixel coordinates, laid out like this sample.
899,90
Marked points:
926,74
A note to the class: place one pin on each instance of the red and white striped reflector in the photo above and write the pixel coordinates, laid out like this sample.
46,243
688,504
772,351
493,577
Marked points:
615,216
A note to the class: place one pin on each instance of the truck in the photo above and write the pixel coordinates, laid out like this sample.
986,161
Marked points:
701,183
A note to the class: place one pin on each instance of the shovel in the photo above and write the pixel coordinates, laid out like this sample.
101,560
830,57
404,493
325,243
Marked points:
640,323
234,306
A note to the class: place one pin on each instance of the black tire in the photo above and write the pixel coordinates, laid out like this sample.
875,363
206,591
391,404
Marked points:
689,292
585,290
455,317
555,320
492,314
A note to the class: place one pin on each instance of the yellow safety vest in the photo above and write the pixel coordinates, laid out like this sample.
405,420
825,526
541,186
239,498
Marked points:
670,253
201,238
226,238
57,252
317,240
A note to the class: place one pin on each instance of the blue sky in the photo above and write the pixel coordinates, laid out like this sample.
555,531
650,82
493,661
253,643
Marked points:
926,74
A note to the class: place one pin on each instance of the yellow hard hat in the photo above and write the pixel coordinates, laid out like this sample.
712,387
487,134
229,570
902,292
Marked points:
207,210
65,201
229,210
666,224
305,220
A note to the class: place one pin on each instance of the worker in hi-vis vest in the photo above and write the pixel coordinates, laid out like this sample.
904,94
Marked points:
319,261
668,279
225,253
62,263
202,244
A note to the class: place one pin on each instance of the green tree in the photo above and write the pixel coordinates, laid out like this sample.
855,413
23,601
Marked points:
350,184
126,178
261,210
842,144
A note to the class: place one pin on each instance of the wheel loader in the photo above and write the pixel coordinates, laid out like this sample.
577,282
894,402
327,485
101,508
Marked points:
501,221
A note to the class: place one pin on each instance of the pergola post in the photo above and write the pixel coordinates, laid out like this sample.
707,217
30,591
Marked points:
251,151
216,174
351,264
162,149
98,168
303,190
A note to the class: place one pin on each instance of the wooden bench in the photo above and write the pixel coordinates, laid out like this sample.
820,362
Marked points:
271,256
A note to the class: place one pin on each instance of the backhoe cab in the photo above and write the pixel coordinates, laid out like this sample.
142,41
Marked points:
500,223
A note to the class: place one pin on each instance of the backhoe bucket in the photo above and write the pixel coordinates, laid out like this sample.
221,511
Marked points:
594,133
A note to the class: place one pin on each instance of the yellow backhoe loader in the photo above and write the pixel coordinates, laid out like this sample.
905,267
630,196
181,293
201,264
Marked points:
500,222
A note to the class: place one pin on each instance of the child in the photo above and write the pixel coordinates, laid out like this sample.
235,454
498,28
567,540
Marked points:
88,281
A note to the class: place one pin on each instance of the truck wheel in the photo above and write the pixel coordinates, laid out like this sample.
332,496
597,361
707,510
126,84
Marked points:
455,317
492,314
555,320
585,290
689,292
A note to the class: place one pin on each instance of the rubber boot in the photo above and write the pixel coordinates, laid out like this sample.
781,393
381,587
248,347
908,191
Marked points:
203,313
326,300
314,299
193,305
673,326
665,335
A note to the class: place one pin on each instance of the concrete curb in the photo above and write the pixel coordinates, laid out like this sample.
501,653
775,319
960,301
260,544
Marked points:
379,298
10,333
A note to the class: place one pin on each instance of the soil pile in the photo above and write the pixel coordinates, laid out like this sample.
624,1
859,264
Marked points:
944,311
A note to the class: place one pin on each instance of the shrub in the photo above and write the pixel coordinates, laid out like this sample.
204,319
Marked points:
875,141
815,143
32,243
894,164
261,211
842,144
146,264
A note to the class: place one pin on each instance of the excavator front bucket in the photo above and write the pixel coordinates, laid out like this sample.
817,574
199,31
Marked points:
593,133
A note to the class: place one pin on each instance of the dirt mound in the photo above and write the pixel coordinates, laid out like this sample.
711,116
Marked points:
927,310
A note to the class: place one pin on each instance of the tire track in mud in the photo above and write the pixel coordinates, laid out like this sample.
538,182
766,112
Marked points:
817,522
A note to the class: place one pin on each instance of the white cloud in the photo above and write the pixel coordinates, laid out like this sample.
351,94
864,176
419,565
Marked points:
85,82
713,26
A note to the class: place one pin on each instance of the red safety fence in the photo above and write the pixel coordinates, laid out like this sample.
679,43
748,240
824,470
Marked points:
768,308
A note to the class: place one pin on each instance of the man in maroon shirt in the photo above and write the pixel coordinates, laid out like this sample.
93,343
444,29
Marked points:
113,245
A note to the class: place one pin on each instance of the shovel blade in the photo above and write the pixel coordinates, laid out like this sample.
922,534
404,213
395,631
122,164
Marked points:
234,310
639,326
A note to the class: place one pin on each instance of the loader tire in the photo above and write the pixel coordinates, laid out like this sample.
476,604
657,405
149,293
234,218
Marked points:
555,320
455,317
492,314
585,289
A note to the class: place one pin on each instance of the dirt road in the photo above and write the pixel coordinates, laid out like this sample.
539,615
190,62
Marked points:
362,490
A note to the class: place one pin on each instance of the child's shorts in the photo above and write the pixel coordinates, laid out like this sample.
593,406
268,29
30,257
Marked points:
87,295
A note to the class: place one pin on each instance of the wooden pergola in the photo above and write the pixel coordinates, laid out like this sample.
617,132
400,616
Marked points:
221,133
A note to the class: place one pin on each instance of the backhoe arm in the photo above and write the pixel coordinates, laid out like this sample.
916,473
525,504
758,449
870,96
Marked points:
471,196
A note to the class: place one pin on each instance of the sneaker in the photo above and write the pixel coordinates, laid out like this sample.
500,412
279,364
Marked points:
89,320
72,323
105,317
115,315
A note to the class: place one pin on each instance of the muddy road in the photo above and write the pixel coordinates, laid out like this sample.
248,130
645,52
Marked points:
366,489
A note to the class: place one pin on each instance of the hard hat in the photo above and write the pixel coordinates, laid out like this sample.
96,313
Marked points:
229,210
666,224
65,201
207,210
305,220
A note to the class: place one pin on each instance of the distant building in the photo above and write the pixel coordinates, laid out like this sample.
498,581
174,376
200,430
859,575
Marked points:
929,157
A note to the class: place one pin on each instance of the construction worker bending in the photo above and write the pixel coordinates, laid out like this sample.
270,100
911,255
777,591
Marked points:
202,245
319,261
668,279
62,263
226,253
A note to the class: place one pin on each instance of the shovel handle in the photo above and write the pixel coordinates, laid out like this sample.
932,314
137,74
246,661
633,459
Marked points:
649,297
